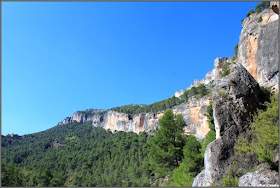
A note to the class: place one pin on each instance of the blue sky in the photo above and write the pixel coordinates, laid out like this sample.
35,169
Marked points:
61,57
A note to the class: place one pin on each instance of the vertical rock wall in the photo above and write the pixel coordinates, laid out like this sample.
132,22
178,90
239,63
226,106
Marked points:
258,49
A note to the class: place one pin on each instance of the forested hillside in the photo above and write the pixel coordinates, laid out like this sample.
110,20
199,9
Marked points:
76,155
79,155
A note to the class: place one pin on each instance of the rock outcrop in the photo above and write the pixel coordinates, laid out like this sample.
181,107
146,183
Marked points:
258,48
260,178
234,98
81,116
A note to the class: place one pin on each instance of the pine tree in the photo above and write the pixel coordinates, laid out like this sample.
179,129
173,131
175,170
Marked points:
166,147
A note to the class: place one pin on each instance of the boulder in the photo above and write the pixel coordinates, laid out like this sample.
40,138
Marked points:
263,177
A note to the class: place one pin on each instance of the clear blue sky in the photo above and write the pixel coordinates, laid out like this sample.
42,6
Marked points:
61,57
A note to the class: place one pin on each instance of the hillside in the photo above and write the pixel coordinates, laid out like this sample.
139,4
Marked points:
221,131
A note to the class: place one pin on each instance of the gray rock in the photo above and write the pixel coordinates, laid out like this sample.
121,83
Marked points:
260,178
234,97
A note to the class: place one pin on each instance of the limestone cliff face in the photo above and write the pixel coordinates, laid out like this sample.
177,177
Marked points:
193,114
81,116
258,47
116,121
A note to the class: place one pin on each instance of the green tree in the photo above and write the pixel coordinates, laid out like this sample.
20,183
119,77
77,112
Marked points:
166,147
266,132
192,163
11,176
211,135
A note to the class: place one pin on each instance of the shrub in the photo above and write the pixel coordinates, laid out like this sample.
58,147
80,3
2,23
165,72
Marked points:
230,182
191,165
211,135
209,115
265,136
225,70
266,132
251,11
263,5
222,94
236,50
230,179
260,19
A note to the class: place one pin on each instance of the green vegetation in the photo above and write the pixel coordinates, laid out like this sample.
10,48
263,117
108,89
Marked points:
230,179
225,70
90,157
210,117
211,135
262,141
191,165
263,5
265,130
222,94
96,157
235,51
131,110
260,19
166,147
251,11
259,8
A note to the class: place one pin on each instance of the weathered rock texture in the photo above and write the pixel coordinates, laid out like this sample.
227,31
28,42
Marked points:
260,178
234,97
193,113
258,48
116,121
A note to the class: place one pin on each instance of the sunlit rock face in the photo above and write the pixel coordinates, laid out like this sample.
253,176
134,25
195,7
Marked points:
258,47
116,121
193,113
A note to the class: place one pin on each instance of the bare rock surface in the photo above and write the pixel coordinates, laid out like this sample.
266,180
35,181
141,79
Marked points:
258,48
264,177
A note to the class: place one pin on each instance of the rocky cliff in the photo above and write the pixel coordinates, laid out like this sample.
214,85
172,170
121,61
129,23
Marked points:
193,112
258,48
